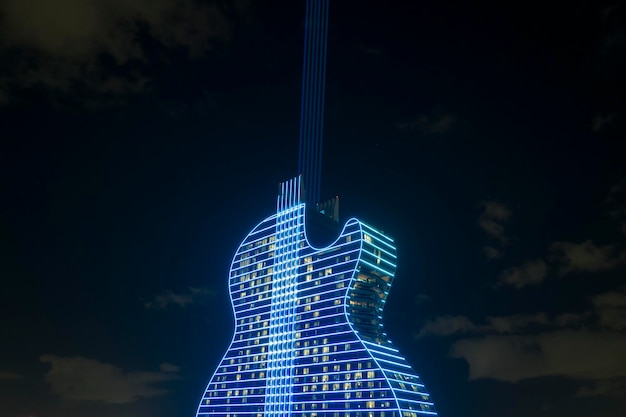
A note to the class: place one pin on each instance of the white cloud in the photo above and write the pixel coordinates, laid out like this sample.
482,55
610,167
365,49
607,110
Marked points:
168,367
421,299
604,388
183,299
462,325
435,123
62,43
10,376
530,273
446,326
493,218
585,257
576,354
588,346
600,121
611,309
81,379
80,28
516,322
492,253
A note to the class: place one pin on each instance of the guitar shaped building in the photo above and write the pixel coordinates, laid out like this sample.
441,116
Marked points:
309,338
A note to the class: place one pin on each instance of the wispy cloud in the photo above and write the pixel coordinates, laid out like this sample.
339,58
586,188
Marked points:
421,299
585,257
10,376
97,47
81,379
462,325
447,326
615,203
493,218
577,354
181,299
588,346
611,309
600,121
615,387
492,253
530,273
435,123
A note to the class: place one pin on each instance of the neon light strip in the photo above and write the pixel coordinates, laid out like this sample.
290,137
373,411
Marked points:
303,338
317,261
380,258
256,294
367,226
413,392
341,411
281,353
309,392
381,346
394,363
321,268
301,365
376,267
252,232
379,240
381,249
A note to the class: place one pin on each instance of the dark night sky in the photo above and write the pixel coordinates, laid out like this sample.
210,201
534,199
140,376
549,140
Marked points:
141,140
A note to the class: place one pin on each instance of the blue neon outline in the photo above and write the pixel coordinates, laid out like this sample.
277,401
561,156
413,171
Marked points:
320,255
353,281
233,304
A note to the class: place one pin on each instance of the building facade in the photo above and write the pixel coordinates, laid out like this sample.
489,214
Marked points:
309,338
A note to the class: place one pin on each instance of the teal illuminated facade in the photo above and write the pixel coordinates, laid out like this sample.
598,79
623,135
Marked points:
309,338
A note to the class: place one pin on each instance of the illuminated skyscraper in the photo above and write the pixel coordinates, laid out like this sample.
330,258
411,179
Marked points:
309,338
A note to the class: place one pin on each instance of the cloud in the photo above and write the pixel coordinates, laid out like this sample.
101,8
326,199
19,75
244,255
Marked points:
493,218
81,379
168,367
600,121
169,298
575,354
585,257
530,273
516,323
370,50
615,203
492,253
10,376
604,388
84,28
462,325
446,326
611,309
587,346
98,46
433,124
421,299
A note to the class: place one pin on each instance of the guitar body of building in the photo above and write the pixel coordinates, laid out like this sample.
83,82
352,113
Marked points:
309,338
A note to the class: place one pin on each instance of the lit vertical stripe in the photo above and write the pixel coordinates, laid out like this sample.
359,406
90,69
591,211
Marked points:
282,329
